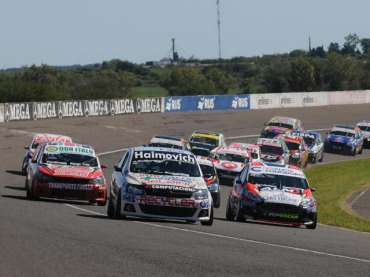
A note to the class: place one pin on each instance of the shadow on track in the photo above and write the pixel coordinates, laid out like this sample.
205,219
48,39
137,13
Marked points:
15,172
47,200
258,223
15,188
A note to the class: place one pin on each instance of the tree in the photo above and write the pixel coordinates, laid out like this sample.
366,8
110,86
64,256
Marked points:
365,44
302,75
350,44
333,47
222,81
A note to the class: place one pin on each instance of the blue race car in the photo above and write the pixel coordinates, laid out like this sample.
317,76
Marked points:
344,138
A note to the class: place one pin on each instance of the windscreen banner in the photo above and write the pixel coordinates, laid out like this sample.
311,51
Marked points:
206,103
1,112
80,108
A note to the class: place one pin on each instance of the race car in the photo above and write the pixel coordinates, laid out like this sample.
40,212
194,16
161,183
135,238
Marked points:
169,142
65,170
273,150
280,125
37,139
276,194
211,178
297,148
364,126
162,183
229,161
344,138
203,142
252,148
314,143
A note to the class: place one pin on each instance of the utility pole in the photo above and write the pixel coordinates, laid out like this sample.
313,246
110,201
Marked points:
219,28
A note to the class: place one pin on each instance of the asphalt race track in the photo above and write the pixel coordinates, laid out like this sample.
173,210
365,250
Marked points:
73,238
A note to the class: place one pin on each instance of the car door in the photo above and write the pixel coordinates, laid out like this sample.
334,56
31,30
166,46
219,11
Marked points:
118,176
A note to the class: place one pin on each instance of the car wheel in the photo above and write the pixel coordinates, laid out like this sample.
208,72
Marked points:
353,153
210,221
110,209
322,157
313,160
360,152
239,216
29,192
313,226
217,200
24,167
229,214
102,203
117,208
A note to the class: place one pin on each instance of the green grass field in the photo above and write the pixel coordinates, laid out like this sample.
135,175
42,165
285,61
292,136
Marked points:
143,92
334,184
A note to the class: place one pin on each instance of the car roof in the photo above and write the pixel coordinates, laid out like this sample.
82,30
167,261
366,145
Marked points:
340,129
345,126
233,150
268,141
71,144
283,119
204,161
168,137
285,170
205,132
364,123
40,137
160,149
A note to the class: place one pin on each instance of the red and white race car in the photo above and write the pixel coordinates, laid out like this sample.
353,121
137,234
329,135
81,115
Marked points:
37,139
229,161
253,148
66,170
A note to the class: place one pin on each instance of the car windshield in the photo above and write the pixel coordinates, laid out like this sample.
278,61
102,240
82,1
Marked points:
280,124
209,142
364,128
268,149
342,134
231,157
165,145
277,181
207,170
69,159
309,140
164,163
292,145
34,145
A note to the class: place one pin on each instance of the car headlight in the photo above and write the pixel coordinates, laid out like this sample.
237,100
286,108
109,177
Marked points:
213,187
200,194
44,177
252,196
99,180
307,201
133,189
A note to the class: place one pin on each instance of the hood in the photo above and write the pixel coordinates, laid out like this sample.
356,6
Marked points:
83,172
230,166
290,196
167,181
339,139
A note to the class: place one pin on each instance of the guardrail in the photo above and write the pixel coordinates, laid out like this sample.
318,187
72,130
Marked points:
112,107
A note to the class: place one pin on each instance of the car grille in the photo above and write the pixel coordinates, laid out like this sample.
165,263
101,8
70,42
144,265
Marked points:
167,211
168,193
280,208
68,194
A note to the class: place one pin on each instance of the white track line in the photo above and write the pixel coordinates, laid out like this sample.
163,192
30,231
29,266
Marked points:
362,193
111,152
238,239
254,136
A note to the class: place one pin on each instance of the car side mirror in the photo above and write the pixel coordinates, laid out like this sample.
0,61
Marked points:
312,189
103,166
26,147
117,168
238,181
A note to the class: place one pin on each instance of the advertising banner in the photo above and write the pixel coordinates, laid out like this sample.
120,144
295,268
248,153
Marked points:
265,101
206,103
1,112
80,108
347,97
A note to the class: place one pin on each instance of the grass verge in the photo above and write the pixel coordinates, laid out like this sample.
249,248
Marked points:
334,184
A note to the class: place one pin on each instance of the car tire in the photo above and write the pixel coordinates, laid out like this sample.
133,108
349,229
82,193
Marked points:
102,203
353,153
313,160
29,192
117,208
110,209
210,221
217,200
238,216
229,214
24,166
360,152
322,157
313,226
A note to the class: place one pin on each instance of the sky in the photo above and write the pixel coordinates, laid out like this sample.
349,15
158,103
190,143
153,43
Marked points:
70,32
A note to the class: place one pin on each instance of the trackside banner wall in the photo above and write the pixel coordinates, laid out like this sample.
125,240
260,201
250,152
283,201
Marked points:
84,108
206,103
1,112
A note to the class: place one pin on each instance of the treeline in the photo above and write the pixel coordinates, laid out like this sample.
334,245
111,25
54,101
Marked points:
345,67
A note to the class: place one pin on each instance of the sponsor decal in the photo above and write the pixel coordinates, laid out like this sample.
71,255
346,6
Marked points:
286,216
206,103
70,149
51,148
17,111
149,105
240,102
307,100
168,201
171,187
71,186
128,198
146,155
122,106
173,104
229,165
285,100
